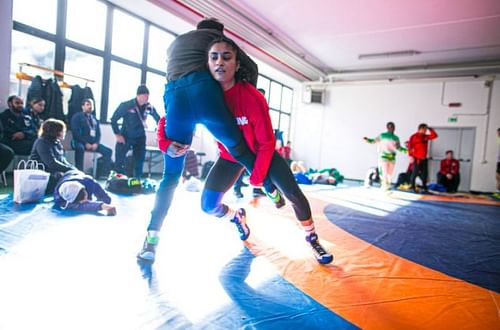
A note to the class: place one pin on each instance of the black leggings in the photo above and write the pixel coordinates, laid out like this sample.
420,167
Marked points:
224,174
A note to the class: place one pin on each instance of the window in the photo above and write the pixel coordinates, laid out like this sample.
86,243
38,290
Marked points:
280,98
159,41
128,35
275,96
156,85
285,127
39,14
86,22
123,83
275,118
286,100
263,83
32,50
87,66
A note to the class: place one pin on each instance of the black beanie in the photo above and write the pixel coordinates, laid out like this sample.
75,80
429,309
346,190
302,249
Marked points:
142,89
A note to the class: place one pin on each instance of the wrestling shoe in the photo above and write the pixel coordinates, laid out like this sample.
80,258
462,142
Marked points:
321,255
240,220
238,193
278,200
148,251
257,192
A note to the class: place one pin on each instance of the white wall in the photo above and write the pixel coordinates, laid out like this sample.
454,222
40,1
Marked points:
5,43
330,135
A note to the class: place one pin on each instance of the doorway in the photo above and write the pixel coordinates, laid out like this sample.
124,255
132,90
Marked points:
461,141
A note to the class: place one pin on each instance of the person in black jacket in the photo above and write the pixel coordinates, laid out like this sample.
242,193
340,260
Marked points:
87,136
19,132
132,133
6,153
49,151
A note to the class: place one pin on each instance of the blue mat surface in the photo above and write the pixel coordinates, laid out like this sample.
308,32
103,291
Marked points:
458,239
78,270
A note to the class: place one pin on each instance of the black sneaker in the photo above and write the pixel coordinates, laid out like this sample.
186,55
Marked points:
321,255
240,220
148,252
278,200
238,194
257,192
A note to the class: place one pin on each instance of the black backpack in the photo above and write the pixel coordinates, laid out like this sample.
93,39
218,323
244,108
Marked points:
123,185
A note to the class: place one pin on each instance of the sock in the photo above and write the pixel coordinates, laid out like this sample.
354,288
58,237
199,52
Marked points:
274,195
230,214
309,229
153,237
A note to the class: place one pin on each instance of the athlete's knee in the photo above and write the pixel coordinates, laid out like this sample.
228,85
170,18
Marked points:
169,180
211,202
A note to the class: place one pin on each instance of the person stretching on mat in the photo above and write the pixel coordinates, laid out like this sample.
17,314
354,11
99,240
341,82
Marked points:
252,114
75,192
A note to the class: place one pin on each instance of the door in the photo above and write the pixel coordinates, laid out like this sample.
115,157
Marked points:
461,141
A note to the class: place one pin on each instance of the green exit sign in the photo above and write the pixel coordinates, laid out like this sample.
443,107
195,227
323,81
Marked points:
452,119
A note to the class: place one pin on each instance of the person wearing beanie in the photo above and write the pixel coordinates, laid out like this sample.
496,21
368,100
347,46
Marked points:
75,191
132,132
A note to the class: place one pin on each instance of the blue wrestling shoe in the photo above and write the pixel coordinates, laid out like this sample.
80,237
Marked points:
148,252
240,220
321,255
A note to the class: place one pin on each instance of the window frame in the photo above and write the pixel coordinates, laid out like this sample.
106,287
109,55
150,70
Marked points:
61,42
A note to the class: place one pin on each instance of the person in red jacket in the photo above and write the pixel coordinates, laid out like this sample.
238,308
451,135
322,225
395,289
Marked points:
251,111
448,174
417,149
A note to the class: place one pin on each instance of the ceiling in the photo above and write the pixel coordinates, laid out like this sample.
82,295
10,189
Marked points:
318,40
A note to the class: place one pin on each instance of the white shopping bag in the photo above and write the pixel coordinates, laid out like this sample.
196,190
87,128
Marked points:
30,182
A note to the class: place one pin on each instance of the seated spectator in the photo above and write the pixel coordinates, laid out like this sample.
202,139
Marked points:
448,174
404,178
284,151
6,153
49,151
19,132
372,176
87,137
75,191
190,165
36,107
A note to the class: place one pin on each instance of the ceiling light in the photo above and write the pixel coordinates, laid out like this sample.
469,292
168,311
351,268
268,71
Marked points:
401,53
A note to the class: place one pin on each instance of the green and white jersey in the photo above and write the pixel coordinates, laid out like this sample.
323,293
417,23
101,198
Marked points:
388,143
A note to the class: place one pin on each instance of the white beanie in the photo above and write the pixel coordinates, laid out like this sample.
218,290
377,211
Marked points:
69,190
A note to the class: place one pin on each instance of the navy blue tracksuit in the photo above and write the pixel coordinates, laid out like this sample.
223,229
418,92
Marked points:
86,129
133,130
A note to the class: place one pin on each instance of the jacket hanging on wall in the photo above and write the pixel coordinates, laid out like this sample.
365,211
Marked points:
50,91
78,94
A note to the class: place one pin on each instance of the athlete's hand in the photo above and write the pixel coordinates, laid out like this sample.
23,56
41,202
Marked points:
109,209
120,138
176,149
